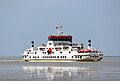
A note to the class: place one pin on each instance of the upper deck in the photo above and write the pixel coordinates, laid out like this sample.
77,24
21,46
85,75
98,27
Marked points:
60,38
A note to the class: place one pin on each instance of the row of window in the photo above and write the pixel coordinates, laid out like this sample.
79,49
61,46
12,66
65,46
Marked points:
76,56
24,56
30,57
31,52
54,57
42,52
57,49
53,52
45,57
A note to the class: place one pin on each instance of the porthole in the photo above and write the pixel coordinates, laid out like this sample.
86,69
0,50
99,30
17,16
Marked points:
69,52
80,56
75,56
72,56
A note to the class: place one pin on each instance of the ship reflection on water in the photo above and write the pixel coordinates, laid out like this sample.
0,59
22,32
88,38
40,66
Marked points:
59,73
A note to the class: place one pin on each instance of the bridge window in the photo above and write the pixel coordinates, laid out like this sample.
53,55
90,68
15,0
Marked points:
58,48
42,49
65,48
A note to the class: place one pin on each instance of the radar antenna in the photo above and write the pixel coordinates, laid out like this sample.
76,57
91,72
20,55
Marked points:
59,28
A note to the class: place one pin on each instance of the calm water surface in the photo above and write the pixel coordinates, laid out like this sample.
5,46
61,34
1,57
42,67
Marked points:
106,70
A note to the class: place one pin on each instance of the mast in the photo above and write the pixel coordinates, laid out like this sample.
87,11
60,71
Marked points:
59,37
59,28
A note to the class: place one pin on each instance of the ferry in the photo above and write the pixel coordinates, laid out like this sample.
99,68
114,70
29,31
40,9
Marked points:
60,48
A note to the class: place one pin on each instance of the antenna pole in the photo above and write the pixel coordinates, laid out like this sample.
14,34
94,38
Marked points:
59,28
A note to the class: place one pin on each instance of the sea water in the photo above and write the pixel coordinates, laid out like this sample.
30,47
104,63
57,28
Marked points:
13,69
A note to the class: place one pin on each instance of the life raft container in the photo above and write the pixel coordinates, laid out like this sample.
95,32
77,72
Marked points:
85,51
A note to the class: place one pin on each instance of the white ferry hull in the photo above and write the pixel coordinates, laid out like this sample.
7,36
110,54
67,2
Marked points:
84,58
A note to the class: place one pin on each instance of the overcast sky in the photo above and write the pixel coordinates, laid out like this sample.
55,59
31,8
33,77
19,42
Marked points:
24,20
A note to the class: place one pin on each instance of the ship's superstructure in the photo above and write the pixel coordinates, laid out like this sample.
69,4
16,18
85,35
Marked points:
61,48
